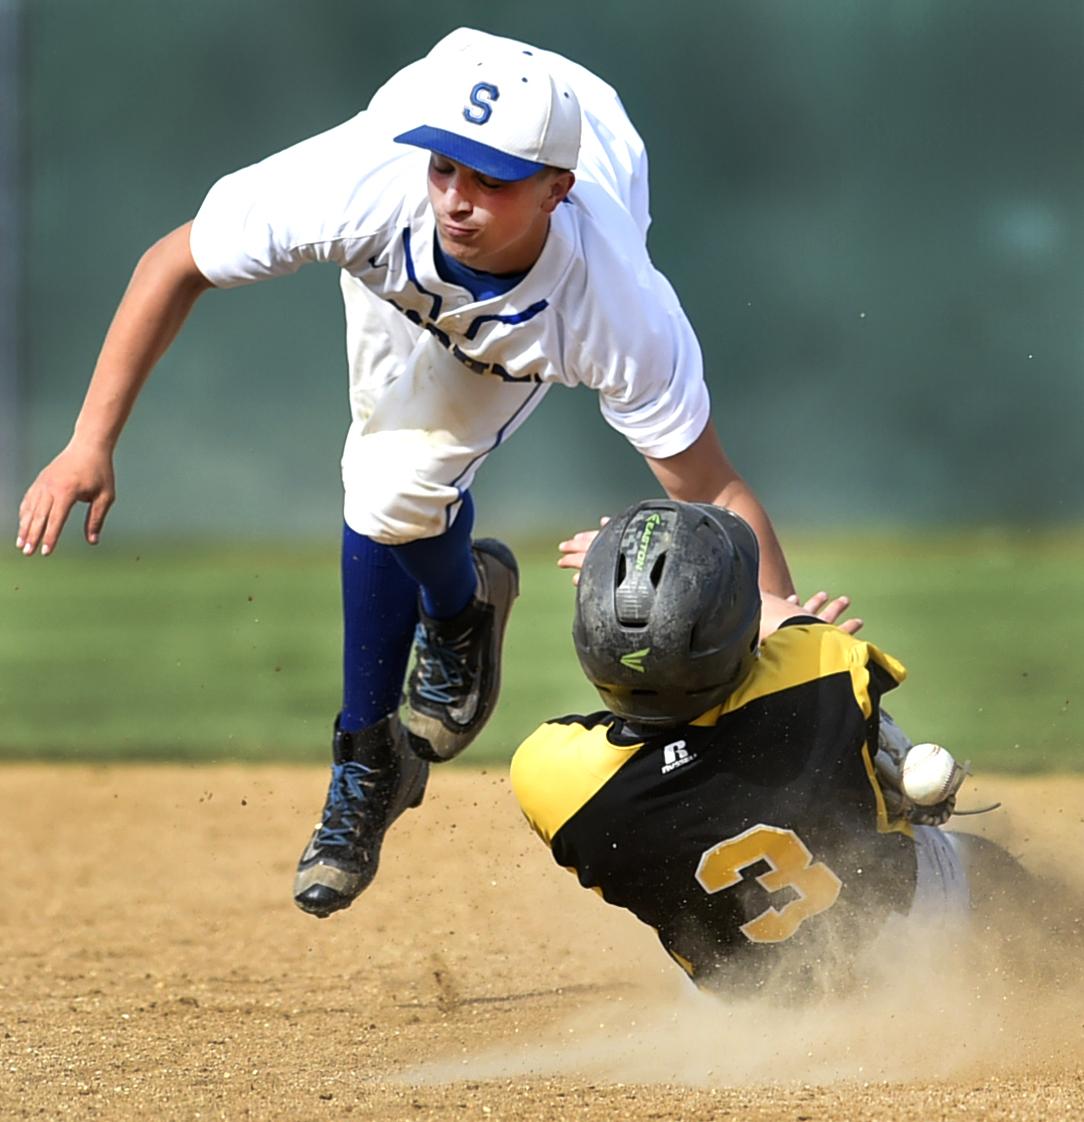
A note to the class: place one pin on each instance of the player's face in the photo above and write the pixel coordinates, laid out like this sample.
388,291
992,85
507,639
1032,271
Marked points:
493,225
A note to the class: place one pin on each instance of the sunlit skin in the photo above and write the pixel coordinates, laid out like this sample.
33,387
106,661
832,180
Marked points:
493,225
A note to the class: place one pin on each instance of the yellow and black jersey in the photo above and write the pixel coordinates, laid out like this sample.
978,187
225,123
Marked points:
758,828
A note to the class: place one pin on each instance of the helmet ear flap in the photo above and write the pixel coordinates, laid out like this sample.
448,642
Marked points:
668,610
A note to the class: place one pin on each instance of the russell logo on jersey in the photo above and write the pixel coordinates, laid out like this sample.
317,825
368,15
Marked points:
676,755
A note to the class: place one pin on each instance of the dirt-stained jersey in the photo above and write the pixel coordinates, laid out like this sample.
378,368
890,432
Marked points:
757,829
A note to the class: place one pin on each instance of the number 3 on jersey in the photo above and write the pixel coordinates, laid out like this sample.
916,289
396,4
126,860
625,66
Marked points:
792,866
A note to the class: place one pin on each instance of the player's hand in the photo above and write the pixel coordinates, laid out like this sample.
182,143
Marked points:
574,549
79,474
829,609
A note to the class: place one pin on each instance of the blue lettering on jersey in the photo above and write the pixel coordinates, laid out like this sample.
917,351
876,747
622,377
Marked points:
476,366
516,317
483,109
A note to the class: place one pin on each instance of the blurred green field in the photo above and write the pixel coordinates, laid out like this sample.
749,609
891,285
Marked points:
232,653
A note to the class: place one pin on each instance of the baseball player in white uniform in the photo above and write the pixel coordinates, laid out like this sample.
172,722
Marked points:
488,212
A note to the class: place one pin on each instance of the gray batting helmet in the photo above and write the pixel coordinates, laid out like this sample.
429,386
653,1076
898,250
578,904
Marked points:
668,610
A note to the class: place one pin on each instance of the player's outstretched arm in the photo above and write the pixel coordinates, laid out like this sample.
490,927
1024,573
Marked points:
163,288
703,474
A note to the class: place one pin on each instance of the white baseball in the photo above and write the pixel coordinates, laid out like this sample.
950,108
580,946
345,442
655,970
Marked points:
929,774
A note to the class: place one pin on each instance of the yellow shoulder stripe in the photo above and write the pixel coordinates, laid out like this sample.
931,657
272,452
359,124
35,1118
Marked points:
802,653
558,768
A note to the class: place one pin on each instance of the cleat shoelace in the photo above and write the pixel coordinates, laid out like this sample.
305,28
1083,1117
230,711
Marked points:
441,667
345,799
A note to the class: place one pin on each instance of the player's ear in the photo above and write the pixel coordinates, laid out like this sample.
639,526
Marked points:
559,186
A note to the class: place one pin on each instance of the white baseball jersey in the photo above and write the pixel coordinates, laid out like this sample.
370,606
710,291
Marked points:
437,378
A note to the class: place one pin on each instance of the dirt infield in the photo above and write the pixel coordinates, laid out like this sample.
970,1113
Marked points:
154,967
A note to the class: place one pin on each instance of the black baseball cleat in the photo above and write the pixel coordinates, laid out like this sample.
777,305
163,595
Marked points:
456,678
374,778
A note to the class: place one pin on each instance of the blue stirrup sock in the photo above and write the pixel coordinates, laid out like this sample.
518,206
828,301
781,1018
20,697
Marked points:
380,611
380,589
443,567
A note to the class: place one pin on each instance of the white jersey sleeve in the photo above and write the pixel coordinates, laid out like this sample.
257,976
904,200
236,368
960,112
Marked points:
652,391
308,203
629,337
663,406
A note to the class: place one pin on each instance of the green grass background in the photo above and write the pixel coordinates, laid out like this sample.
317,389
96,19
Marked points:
209,653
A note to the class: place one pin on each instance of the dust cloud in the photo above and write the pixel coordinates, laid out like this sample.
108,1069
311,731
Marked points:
1003,997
